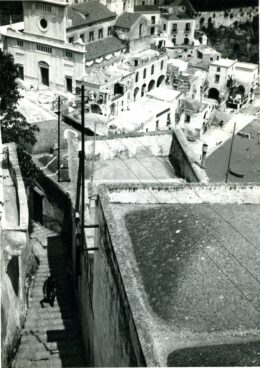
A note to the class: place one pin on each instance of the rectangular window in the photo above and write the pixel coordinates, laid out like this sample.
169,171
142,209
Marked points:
100,33
174,27
44,48
157,125
217,78
82,36
68,54
44,7
20,43
187,118
71,39
152,69
187,27
136,62
91,36
109,31
153,19
152,30
21,71
218,69
164,27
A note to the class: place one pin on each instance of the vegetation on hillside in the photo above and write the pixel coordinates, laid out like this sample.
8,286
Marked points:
10,10
14,126
238,42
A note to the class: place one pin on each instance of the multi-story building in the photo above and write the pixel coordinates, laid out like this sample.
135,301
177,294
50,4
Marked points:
194,117
210,16
60,43
90,21
220,71
113,87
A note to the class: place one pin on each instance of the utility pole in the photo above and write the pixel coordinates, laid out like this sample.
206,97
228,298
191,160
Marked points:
82,166
58,139
93,159
230,153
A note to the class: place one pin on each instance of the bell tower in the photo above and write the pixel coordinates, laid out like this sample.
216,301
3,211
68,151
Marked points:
46,18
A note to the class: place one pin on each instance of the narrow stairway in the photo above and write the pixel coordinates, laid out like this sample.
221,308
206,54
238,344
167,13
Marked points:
51,336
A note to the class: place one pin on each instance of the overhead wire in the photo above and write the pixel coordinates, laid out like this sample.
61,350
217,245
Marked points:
200,224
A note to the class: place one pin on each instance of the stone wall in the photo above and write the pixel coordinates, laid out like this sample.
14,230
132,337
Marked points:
185,193
107,322
184,160
130,145
17,261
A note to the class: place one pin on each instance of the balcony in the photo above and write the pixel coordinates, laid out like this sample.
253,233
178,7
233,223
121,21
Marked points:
116,96
174,31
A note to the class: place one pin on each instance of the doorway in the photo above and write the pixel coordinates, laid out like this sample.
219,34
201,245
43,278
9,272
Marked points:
69,84
45,75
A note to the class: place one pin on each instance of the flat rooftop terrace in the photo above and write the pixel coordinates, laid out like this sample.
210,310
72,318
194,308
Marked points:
245,159
192,275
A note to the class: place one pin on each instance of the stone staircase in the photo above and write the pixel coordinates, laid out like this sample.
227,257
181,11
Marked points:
51,336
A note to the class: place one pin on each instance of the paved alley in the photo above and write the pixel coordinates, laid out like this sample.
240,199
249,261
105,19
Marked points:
51,335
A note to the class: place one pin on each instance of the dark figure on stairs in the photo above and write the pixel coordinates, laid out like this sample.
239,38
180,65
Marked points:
49,291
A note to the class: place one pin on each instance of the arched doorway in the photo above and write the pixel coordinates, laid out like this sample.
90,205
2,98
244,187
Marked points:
160,80
96,109
113,109
143,90
136,93
44,73
213,93
151,85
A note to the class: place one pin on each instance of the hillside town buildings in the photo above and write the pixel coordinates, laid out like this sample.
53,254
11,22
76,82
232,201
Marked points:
123,189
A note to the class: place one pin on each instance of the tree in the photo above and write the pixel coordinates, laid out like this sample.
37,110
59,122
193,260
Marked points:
14,126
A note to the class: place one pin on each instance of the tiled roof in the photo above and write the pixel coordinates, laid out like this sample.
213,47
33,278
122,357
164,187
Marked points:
146,8
103,47
88,13
127,20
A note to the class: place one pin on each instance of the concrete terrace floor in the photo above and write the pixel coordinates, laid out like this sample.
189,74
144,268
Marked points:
143,168
245,157
198,279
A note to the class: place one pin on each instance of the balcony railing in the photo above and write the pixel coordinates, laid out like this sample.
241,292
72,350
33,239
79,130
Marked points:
117,96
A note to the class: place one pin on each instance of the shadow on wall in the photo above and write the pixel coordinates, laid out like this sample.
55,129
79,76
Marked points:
68,339
239,354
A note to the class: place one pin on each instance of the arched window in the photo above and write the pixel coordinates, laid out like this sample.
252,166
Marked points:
161,64
152,69
140,30
136,77
144,73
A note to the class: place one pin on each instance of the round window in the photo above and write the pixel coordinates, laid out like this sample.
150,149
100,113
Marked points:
43,23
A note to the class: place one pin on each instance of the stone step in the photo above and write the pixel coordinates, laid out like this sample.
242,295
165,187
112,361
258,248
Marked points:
59,304
54,362
50,324
45,315
23,363
39,351
51,345
50,336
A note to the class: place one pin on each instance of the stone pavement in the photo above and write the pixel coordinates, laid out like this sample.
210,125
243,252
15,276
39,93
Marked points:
51,335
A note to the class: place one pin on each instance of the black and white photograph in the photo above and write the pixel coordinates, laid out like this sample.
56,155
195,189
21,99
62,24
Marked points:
129,183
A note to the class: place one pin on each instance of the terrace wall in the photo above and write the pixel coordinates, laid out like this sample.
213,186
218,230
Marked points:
130,145
107,322
184,160
17,260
